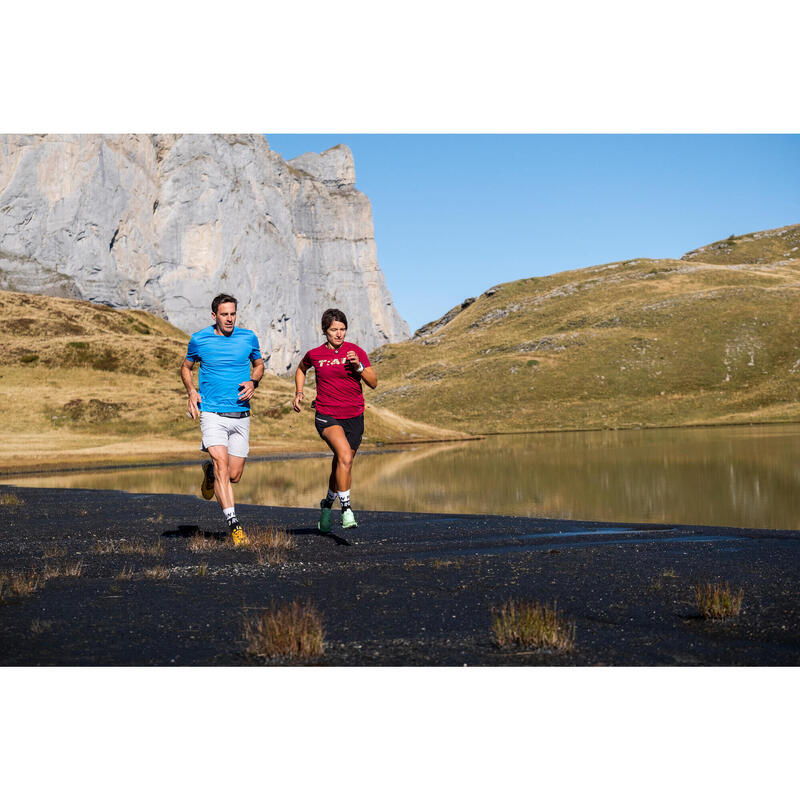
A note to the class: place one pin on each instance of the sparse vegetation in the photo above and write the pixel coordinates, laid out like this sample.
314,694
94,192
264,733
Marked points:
717,601
291,631
200,544
132,547
270,544
523,624
10,499
125,574
41,625
159,572
202,570
54,551
19,584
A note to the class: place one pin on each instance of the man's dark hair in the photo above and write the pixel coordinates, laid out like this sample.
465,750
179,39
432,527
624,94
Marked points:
331,315
222,298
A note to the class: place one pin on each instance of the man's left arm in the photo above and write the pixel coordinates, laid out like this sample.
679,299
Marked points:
249,387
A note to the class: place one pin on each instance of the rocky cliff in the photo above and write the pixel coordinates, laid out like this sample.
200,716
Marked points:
166,222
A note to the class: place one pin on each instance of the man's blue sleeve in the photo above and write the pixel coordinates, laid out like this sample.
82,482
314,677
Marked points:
192,352
255,352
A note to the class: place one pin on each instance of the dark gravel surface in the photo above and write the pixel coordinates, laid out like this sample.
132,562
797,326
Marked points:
402,589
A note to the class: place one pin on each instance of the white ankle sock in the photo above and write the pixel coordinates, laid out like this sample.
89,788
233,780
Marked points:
229,513
344,498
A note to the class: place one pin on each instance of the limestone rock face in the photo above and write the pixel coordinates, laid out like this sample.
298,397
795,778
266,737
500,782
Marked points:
166,222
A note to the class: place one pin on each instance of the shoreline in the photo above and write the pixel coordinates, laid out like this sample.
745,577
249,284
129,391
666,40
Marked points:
402,589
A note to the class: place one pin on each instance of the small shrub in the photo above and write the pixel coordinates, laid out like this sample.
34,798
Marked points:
159,572
292,631
41,625
10,499
526,624
133,547
270,544
28,358
19,584
200,543
717,601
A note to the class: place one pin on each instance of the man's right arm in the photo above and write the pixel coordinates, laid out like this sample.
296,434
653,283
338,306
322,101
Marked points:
192,409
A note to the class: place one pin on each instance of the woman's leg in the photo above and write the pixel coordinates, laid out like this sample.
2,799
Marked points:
342,464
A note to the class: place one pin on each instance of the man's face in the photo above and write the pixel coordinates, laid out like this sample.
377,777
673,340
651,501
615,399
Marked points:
335,333
225,318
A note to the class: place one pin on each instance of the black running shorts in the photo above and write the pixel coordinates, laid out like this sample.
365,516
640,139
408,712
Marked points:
353,427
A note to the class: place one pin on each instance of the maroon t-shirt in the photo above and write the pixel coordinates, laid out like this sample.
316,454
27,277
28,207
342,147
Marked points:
338,387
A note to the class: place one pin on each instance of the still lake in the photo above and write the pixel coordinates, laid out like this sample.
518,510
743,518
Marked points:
739,476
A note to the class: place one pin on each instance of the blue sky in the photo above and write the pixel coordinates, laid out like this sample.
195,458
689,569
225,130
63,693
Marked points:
455,214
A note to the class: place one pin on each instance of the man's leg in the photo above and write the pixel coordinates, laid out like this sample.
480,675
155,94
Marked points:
227,470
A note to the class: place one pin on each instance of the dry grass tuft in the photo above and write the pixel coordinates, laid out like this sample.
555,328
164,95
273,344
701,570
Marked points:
292,631
133,547
202,570
717,601
54,551
10,499
527,624
270,544
62,570
41,625
159,572
125,574
201,544
20,584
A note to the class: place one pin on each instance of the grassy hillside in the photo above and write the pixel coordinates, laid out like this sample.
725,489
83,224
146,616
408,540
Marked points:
85,383
708,339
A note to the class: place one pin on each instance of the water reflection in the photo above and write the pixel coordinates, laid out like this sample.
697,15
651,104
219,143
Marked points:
713,476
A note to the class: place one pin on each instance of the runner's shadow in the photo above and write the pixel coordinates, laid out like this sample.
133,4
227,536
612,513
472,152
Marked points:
190,531
339,540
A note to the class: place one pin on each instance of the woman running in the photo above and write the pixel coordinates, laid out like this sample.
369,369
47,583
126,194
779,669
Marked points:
340,367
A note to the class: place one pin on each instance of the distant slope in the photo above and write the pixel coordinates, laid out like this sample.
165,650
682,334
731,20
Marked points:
81,382
711,338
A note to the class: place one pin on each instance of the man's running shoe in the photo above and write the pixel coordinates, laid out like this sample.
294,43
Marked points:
207,486
349,519
324,523
238,535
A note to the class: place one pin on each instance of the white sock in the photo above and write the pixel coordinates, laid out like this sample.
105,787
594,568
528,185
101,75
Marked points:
230,513
344,498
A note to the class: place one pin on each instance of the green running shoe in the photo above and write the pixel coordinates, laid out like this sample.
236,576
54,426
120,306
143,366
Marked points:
349,519
324,523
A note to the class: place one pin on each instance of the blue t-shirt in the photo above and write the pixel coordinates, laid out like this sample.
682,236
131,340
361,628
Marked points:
224,366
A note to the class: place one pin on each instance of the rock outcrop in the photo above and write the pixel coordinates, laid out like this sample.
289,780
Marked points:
166,222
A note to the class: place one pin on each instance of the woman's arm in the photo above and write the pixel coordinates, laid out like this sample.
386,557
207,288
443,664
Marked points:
299,382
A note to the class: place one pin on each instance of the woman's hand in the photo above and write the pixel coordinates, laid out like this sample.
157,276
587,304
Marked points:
298,396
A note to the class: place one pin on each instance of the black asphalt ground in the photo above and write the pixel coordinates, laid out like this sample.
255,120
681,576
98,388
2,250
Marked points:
401,589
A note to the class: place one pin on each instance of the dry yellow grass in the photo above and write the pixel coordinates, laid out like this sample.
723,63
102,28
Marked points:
97,369
19,584
125,574
524,624
159,572
270,544
10,499
54,551
72,570
645,342
130,547
202,570
202,544
292,631
717,601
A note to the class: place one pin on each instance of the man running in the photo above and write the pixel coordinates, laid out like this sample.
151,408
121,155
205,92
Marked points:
225,353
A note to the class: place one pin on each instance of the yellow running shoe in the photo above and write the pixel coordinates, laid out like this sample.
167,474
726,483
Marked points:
207,486
238,535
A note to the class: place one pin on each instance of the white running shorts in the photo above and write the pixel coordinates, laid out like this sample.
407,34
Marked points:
227,431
